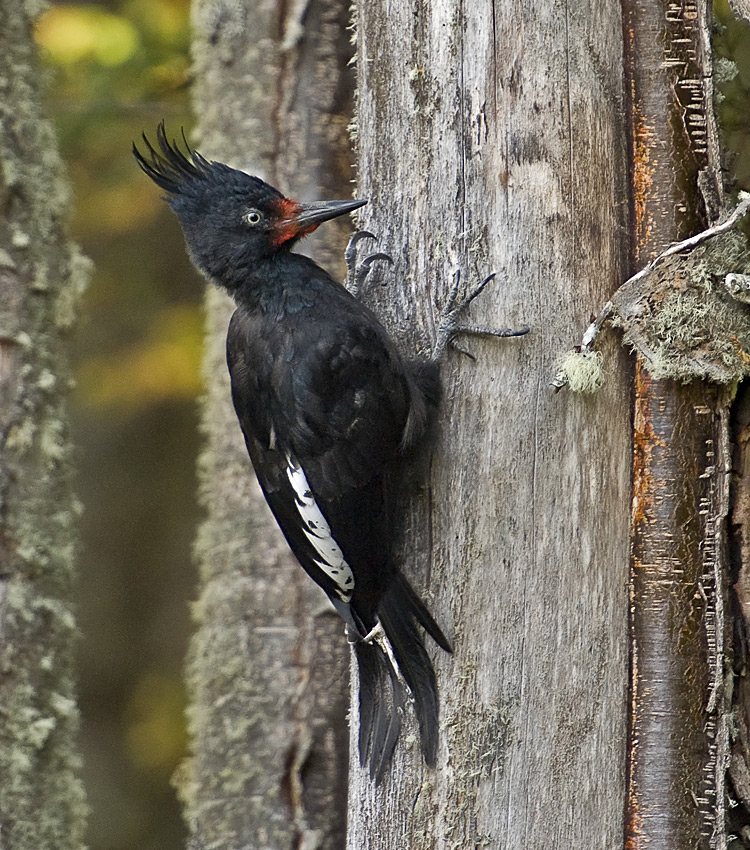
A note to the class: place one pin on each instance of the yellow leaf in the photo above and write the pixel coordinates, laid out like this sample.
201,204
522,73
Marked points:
72,34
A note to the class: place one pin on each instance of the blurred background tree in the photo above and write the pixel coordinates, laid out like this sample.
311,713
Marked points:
732,75
116,68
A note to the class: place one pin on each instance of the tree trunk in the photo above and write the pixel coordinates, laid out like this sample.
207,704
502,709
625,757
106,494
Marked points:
490,139
268,672
739,762
681,464
42,803
493,139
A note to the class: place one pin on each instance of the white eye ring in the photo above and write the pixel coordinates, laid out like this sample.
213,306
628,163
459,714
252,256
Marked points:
253,217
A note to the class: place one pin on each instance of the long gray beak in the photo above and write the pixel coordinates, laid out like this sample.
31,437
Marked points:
318,211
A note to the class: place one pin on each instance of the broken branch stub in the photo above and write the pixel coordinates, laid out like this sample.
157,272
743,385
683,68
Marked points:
685,313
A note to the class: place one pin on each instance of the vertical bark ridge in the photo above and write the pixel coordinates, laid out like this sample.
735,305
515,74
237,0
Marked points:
465,136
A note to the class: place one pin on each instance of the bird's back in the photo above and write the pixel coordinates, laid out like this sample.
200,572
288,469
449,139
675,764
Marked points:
317,382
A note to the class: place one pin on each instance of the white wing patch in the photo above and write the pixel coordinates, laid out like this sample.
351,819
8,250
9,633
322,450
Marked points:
318,532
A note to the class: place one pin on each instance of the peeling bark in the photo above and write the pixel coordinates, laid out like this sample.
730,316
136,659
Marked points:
739,762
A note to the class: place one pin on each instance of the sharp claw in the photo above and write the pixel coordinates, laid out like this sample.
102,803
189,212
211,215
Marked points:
371,259
362,271
483,331
453,344
362,234
449,327
453,294
358,271
357,237
479,289
350,255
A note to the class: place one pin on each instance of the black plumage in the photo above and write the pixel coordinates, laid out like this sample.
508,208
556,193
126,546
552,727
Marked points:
329,409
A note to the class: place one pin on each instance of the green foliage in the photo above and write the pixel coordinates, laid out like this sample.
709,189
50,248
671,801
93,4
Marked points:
114,73
131,56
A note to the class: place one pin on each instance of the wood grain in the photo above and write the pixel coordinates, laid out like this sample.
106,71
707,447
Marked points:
491,138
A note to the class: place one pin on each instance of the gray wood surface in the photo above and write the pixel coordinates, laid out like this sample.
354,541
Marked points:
491,138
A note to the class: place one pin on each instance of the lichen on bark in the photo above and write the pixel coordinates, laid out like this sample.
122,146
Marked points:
683,321
42,274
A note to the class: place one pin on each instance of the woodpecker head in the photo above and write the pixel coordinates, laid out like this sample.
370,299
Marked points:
230,219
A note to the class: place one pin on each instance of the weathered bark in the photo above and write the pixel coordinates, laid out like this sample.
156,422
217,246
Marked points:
492,139
739,764
42,804
678,733
268,667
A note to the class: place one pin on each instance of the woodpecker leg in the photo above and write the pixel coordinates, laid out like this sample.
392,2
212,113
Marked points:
449,326
374,633
377,635
357,271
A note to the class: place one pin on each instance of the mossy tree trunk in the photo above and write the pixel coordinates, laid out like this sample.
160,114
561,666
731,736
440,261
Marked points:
268,669
42,804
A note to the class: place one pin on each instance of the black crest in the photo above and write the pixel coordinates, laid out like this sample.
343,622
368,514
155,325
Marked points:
189,175
168,167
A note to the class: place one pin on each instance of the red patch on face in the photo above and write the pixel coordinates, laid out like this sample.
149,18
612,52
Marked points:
286,227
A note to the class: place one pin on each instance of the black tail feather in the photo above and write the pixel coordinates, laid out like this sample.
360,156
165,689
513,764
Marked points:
371,702
381,706
419,610
382,695
400,625
386,734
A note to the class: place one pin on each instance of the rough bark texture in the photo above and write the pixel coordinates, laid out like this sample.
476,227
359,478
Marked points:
492,139
680,463
268,669
739,765
41,275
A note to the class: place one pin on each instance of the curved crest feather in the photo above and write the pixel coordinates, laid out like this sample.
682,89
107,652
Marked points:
169,167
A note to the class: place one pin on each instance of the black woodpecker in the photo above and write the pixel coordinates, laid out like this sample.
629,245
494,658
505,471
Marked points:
330,410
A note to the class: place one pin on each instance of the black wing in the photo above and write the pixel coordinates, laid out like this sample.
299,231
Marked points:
324,408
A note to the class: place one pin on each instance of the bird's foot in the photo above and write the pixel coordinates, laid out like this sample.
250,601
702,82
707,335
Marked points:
449,326
377,632
357,272
377,635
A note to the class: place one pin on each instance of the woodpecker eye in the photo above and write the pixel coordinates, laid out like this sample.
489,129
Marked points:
253,217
